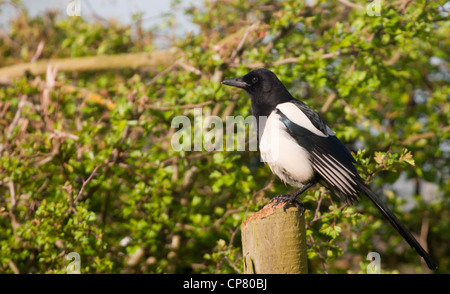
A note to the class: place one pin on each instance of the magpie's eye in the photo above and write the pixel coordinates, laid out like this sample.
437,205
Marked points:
254,80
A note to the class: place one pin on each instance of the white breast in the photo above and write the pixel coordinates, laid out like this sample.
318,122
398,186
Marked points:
289,161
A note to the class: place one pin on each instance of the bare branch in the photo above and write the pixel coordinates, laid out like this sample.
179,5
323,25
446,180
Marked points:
150,60
426,135
39,50
16,116
13,267
328,103
189,68
295,59
187,106
242,42
85,183
160,74
351,5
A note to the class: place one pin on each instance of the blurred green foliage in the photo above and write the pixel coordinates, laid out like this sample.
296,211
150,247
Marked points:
382,83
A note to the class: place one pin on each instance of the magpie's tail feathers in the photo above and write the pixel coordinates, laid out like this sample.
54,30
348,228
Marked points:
389,215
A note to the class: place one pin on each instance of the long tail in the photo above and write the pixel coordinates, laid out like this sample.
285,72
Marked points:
389,215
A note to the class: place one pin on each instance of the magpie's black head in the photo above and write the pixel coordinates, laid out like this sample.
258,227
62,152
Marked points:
263,86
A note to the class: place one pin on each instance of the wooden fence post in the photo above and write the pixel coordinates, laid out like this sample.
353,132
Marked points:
274,241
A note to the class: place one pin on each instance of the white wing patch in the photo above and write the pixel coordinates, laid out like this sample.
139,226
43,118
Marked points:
296,115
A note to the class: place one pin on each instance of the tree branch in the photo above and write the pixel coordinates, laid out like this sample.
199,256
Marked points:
351,5
85,183
151,60
426,135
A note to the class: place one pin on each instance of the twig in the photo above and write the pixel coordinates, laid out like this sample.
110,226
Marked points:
424,232
39,50
242,42
323,259
160,74
50,83
295,59
12,211
232,264
328,103
233,235
394,58
352,110
351,5
321,217
85,183
60,134
267,187
186,106
150,60
16,116
224,257
174,65
190,68
446,18
427,135
225,215
319,203
280,34
404,5
13,267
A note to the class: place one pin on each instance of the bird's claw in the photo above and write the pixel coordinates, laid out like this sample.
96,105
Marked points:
289,200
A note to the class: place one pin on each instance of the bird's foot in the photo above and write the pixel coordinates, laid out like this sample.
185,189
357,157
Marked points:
289,199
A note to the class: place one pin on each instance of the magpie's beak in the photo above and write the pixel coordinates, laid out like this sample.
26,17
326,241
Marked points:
236,82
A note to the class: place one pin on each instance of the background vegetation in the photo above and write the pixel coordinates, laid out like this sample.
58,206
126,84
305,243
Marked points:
86,163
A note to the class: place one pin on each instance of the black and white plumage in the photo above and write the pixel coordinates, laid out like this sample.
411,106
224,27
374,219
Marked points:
302,150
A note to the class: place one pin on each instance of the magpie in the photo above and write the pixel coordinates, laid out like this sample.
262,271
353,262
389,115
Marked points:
302,150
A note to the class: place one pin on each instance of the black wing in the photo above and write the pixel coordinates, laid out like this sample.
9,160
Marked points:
329,157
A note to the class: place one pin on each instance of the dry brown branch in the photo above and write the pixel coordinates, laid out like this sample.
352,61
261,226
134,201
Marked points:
291,60
322,258
244,38
328,103
39,50
224,257
12,211
136,257
177,63
162,73
50,83
189,68
424,232
351,5
150,61
401,5
13,267
187,106
175,158
17,116
350,108
426,135
85,183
